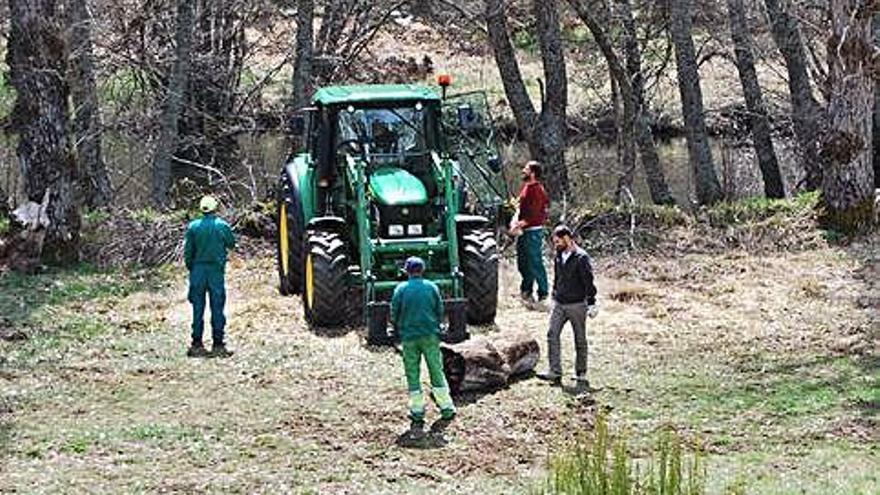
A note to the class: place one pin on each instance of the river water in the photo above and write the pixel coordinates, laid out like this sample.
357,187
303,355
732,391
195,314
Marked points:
593,169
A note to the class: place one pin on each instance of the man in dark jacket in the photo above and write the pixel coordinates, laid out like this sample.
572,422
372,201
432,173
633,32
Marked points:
206,243
574,299
533,208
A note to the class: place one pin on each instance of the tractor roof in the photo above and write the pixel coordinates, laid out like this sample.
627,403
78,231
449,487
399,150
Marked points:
373,93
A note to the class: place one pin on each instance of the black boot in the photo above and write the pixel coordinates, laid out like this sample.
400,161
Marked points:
196,349
220,350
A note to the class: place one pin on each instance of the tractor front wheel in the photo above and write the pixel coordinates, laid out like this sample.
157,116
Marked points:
289,240
325,281
479,261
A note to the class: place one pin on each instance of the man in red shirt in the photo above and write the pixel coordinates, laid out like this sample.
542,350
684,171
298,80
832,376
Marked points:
533,209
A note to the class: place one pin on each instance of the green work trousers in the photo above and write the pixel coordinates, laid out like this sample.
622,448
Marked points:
207,279
413,350
530,263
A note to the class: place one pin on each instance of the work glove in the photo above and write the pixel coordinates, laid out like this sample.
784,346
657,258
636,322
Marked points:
592,310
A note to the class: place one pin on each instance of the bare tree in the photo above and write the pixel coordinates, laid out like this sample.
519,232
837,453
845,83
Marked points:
302,68
848,183
633,125
876,136
707,186
171,108
644,135
806,112
37,62
544,131
760,122
95,182
627,115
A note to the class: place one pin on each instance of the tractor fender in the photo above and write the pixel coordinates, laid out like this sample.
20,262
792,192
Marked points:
331,224
471,221
298,175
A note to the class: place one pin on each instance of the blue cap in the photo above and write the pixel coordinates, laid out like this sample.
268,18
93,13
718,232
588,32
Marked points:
414,264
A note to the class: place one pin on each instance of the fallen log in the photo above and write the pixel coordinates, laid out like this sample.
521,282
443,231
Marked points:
488,362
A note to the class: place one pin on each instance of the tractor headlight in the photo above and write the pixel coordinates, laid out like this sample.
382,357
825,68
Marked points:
395,230
414,229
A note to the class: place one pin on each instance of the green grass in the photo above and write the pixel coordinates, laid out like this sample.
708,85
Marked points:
601,464
126,88
23,295
760,208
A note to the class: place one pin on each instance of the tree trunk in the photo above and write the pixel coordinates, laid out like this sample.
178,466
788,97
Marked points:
37,62
624,99
876,133
170,117
645,137
95,183
760,122
4,203
806,112
848,183
707,187
551,135
207,129
544,132
302,68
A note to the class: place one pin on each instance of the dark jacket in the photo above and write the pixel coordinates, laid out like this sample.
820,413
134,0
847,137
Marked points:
573,280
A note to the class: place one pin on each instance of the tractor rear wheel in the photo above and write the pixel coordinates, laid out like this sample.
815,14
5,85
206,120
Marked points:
289,239
479,262
326,280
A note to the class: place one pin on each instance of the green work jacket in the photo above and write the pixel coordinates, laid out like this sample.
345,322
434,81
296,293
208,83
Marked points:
416,308
207,240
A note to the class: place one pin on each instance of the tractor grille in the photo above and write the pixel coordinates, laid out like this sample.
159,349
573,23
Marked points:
399,222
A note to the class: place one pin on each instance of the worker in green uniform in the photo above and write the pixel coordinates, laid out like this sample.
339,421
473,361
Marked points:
416,312
205,246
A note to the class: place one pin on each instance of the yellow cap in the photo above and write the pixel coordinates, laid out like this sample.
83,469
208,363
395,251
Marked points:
208,204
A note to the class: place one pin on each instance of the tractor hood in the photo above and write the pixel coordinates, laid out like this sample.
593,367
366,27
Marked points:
393,186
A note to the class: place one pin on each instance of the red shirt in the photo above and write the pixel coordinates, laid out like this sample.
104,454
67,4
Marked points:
534,204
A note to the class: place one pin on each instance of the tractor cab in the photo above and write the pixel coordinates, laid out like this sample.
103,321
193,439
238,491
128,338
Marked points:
386,172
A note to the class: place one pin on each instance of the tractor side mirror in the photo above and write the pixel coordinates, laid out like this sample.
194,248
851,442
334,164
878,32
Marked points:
468,119
495,163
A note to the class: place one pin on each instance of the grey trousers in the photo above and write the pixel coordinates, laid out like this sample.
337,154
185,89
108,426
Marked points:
576,314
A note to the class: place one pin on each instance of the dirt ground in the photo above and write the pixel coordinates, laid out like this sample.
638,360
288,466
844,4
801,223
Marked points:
771,362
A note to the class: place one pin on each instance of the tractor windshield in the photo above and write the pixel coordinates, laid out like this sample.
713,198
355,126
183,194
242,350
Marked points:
387,131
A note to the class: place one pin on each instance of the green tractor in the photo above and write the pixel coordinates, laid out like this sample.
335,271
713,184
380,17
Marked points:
385,172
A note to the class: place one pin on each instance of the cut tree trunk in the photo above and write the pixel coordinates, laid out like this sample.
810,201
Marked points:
488,362
95,185
708,188
806,112
38,66
760,122
848,184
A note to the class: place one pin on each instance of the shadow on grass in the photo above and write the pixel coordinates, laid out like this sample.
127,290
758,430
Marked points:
332,333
